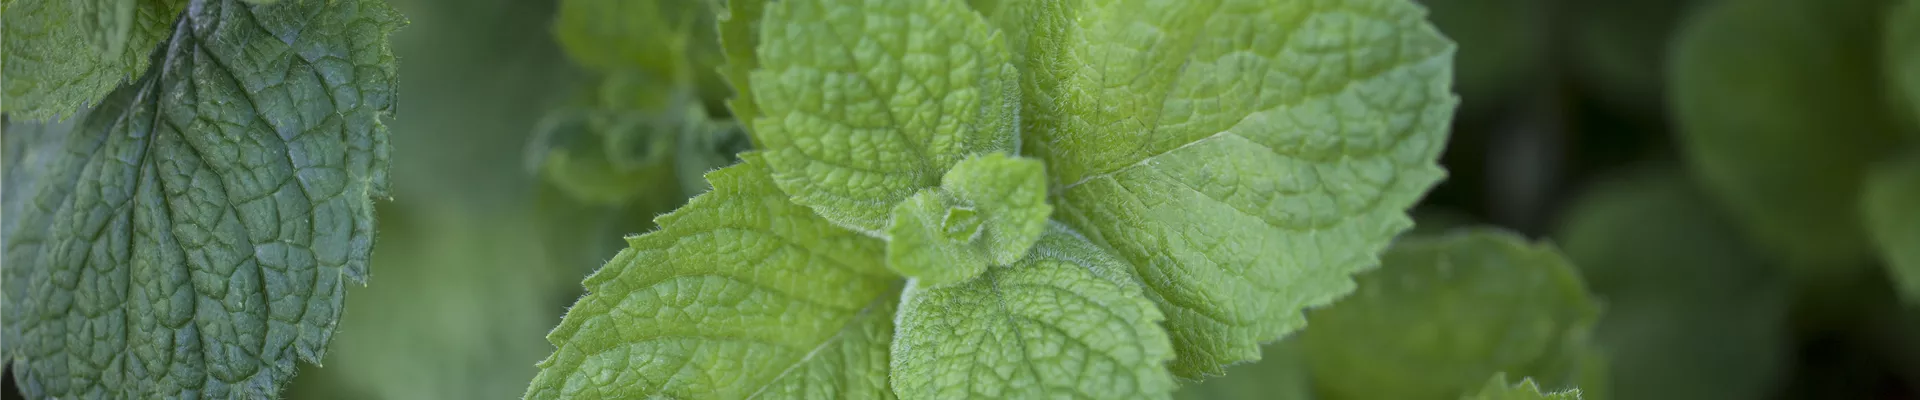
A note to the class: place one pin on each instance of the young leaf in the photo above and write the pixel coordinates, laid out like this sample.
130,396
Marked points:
1245,156
1891,207
1497,388
988,211
60,55
1443,313
865,103
740,293
1067,321
1780,111
193,235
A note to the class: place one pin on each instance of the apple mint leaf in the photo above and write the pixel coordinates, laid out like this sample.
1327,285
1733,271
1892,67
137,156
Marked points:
1691,311
1499,388
988,211
193,233
1442,313
1893,220
865,103
1779,106
61,55
1067,321
740,293
1245,156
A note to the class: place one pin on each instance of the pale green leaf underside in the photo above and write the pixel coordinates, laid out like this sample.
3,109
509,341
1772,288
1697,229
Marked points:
1067,321
1246,156
1891,207
1443,313
741,293
193,234
1498,388
988,211
60,55
865,103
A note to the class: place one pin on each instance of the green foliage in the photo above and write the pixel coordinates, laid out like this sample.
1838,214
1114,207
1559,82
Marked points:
1781,112
193,234
1232,188
1692,312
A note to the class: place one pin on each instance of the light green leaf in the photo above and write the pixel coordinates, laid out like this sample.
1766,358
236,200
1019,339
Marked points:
1891,207
1691,311
1443,313
61,55
195,232
988,211
866,103
1498,388
1779,104
1068,321
1245,156
740,293
739,36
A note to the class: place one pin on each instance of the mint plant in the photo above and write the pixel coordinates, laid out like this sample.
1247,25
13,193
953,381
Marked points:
1019,199
191,233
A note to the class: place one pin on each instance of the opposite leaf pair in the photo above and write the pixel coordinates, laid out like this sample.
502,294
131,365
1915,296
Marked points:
1216,166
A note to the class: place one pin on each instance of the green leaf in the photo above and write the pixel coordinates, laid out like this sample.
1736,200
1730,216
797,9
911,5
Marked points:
1891,207
61,55
1901,53
1281,374
194,233
988,211
740,293
1498,388
1245,156
1780,111
1692,311
1443,313
865,103
739,36
1067,321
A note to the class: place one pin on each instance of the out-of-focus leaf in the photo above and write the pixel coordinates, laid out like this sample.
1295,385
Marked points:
1618,48
1780,108
1442,313
1691,312
1499,388
1891,207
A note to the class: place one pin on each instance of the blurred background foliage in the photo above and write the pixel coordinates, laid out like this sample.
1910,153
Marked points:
1700,163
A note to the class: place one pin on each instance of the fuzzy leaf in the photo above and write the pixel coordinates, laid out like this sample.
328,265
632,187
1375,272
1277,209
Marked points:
1067,321
194,233
1245,156
988,211
865,103
740,293
61,55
